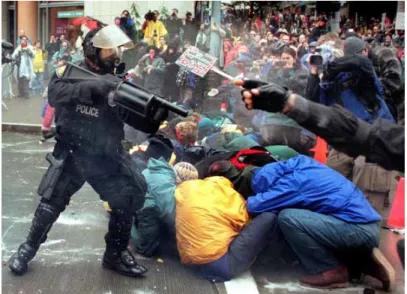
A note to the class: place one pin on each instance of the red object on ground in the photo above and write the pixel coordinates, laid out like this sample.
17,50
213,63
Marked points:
320,150
223,107
245,152
397,213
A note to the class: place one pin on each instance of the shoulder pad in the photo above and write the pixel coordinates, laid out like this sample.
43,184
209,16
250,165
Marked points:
60,71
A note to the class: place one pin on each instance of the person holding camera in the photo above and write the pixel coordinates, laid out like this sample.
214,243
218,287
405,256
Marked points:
127,24
153,29
351,81
174,24
61,56
277,129
24,72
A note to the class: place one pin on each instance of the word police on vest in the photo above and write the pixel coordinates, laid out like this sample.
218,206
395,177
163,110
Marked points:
85,109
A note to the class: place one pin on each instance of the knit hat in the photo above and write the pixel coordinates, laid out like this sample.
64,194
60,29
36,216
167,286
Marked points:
205,124
185,171
353,45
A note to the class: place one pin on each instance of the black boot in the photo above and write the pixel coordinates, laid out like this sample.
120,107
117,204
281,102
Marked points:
44,217
117,257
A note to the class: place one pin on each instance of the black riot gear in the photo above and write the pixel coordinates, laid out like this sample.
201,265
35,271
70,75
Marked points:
89,133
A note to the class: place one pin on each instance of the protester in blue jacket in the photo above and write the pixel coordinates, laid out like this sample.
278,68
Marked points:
320,214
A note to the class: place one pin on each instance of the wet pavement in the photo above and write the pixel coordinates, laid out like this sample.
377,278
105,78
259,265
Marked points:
23,110
70,260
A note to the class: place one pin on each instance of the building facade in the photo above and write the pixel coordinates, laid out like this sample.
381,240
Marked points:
39,19
106,11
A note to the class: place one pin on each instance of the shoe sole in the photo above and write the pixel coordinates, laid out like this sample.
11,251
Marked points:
331,286
381,260
127,274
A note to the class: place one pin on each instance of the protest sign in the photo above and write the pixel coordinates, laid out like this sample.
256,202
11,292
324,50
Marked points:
196,61
400,24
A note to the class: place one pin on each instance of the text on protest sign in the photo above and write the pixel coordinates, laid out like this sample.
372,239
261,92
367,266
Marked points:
196,61
400,24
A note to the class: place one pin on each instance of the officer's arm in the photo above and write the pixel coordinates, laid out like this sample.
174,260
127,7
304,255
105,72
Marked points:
381,143
62,92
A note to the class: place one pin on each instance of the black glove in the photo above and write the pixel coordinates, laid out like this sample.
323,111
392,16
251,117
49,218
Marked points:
94,90
271,98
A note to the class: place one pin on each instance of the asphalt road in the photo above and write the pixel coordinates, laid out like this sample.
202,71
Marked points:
70,260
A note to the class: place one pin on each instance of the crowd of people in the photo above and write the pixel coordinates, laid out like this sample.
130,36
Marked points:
219,234
222,185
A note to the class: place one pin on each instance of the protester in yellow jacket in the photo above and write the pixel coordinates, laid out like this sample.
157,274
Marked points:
37,82
154,29
214,234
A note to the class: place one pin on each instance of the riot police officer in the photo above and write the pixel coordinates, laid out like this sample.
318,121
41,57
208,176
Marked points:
88,149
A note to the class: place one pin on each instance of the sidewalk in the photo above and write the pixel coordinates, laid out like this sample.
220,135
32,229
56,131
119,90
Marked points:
22,115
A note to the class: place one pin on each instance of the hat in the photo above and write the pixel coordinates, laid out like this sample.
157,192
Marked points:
353,45
159,146
185,171
205,124
245,58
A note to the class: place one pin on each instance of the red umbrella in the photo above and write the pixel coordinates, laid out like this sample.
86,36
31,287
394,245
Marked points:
91,24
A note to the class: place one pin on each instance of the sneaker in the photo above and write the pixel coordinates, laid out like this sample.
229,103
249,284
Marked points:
337,277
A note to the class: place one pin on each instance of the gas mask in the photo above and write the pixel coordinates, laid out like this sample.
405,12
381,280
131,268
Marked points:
110,60
107,53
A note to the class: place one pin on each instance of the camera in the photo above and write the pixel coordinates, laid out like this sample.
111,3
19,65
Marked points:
66,57
149,15
5,53
316,60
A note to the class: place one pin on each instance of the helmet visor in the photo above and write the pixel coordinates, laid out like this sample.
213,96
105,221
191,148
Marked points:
111,36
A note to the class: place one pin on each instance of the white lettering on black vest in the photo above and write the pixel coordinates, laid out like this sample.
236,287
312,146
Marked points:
84,109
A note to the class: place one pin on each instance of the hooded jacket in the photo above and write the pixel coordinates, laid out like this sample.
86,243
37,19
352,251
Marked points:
209,215
388,68
159,207
304,183
25,66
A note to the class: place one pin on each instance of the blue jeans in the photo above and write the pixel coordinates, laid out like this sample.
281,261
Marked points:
319,240
243,250
37,83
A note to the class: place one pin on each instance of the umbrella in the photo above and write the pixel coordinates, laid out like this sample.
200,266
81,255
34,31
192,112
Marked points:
87,21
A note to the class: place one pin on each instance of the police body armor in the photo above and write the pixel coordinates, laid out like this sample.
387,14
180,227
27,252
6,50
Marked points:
94,129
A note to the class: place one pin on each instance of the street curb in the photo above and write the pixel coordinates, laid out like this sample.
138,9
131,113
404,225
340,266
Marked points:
21,127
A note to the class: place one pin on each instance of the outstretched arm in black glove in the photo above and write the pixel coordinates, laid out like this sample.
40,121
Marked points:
381,143
62,92
263,96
